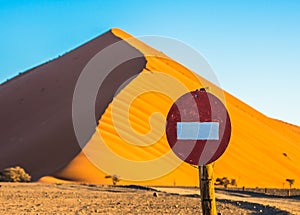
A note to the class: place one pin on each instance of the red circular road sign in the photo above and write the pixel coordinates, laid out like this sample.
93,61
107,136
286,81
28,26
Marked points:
198,128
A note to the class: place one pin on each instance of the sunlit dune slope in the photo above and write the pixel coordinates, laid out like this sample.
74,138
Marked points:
263,152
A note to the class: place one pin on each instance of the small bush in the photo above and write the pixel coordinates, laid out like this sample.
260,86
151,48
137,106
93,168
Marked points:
225,182
14,174
115,179
290,181
233,182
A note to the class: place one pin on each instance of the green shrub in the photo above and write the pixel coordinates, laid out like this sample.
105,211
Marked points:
14,174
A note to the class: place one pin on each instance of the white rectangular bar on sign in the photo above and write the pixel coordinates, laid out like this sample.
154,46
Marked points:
197,130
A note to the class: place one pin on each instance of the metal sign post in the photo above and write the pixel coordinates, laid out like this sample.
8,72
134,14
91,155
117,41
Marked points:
207,191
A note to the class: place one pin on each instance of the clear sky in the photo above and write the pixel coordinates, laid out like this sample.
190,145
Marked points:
253,46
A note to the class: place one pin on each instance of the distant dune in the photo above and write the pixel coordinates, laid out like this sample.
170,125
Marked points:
37,131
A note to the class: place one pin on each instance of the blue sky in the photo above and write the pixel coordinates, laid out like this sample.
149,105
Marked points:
253,46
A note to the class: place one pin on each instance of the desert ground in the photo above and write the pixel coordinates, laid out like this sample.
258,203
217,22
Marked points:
255,197
41,198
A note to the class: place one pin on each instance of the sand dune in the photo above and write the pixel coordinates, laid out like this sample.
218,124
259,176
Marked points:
262,152
36,108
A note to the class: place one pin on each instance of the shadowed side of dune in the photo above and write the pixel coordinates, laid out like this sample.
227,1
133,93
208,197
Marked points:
36,128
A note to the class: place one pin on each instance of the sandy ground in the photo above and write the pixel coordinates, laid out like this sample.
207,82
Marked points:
39,198
291,204
287,204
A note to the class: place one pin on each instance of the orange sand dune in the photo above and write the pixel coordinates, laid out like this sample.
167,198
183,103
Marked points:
52,180
37,129
263,152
